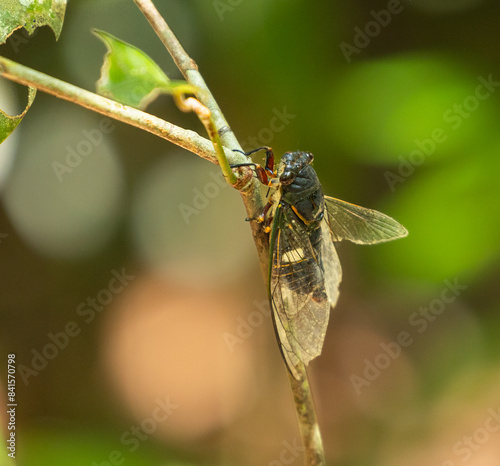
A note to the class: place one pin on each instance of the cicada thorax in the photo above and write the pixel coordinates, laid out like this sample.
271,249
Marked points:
305,197
302,211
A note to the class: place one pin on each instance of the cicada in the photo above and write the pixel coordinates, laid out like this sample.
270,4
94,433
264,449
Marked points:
304,268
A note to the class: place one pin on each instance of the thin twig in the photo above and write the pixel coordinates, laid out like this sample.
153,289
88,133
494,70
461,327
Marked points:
306,412
188,67
193,142
253,202
194,105
185,138
251,193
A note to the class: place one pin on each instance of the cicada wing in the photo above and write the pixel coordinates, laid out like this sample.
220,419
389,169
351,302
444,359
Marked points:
361,225
331,264
300,299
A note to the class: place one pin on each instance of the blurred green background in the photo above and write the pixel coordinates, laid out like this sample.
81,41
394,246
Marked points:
131,292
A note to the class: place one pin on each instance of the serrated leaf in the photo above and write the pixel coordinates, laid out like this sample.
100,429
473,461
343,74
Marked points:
30,14
9,123
131,77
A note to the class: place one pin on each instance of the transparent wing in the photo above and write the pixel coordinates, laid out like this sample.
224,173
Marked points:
331,264
304,279
360,225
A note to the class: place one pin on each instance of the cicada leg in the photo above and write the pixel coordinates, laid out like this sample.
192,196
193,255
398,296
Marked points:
264,174
267,176
266,219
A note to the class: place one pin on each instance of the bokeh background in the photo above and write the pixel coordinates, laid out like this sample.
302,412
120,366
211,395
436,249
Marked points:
131,292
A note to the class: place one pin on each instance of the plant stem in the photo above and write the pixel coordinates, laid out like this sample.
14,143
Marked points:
187,66
302,396
194,105
187,139
193,142
306,413
189,69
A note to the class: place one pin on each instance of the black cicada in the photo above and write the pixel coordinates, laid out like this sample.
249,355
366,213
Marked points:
304,269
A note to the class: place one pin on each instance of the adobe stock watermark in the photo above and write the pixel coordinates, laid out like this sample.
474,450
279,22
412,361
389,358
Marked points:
277,123
363,37
201,197
133,437
83,148
289,453
20,37
245,327
470,444
88,309
454,117
225,6
419,322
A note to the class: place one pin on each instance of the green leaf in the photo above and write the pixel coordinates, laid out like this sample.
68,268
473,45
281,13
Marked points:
9,123
30,14
130,77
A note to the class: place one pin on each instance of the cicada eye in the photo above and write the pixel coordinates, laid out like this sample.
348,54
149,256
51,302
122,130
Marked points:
310,157
287,177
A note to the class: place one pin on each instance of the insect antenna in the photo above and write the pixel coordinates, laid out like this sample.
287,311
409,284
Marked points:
252,151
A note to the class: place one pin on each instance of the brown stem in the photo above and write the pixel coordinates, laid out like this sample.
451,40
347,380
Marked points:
189,69
253,203
248,186
251,191
194,105
182,137
306,412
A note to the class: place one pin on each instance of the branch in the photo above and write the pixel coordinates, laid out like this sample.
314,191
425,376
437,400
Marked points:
194,105
187,139
306,413
304,403
189,69
251,191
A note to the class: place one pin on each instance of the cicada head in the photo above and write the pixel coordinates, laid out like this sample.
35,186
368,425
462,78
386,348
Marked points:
291,165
